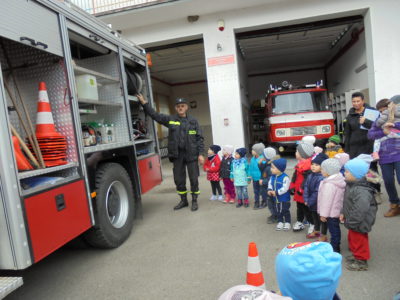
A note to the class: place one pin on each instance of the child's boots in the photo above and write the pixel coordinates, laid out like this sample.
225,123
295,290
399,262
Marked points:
256,205
227,198
263,203
239,203
246,202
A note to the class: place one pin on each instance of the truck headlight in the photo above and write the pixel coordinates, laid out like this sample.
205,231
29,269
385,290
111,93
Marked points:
280,132
326,128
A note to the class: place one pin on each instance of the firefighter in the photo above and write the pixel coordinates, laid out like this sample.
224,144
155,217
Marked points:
185,148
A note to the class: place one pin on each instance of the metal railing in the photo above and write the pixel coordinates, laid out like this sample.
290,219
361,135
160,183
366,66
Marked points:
104,6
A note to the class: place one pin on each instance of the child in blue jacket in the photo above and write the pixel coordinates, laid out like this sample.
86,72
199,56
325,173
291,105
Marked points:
265,168
278,188
310,194
240,177
255,174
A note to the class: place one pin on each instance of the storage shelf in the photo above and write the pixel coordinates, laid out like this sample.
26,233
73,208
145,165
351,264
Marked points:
103,78
47,186
103,147
99,102
140,157
38,172
142,141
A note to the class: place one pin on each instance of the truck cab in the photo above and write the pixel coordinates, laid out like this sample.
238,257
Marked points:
295,112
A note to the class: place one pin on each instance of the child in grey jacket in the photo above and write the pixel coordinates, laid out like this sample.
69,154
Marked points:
359,213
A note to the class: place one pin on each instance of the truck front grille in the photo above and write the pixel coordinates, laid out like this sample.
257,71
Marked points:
296,131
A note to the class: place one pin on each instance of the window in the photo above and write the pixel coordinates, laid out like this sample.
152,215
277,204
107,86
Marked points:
299,102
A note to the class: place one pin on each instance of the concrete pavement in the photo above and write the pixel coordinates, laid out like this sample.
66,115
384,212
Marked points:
197,255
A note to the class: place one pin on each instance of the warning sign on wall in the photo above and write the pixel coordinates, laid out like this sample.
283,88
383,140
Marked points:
221,60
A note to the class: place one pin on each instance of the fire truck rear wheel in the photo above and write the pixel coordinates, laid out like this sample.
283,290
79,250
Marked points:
113,207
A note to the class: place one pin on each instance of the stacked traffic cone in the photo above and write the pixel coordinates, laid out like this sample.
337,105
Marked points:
52,144
255,276
22,162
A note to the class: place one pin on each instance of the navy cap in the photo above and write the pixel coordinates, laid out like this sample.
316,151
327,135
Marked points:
181,101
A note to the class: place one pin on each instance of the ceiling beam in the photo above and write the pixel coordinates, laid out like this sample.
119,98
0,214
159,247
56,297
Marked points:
174,45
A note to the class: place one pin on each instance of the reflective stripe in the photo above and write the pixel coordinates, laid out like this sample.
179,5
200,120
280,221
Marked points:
181,193
45,117
192,131
198,192
253,265
174,123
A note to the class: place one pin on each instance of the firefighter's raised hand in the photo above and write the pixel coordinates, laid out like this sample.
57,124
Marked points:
141,99
201,159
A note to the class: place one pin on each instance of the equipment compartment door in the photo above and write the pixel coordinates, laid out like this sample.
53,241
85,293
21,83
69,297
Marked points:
56,216
150,172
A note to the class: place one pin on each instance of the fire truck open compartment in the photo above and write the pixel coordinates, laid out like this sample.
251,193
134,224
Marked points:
331,50
108,166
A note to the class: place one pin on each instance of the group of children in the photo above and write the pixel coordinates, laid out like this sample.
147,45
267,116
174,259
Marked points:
327,187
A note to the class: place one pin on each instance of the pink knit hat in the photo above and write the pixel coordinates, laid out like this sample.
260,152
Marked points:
343,158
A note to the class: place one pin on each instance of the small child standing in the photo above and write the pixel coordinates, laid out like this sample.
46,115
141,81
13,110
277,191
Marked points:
278,189
225,174
304,152
359,213
330,201
333,146
265,168
240,177
311,187
255,173
212,166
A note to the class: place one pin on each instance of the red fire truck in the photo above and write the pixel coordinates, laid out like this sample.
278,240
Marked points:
83,170
293,112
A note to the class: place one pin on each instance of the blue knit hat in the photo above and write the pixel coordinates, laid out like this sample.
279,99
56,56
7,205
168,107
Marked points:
308,271
215,148
241,151
357,167
319,158
280,164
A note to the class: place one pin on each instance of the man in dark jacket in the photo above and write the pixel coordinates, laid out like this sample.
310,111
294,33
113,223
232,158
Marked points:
185,147
356,139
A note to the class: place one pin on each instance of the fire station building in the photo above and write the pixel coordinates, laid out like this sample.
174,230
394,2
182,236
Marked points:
223,55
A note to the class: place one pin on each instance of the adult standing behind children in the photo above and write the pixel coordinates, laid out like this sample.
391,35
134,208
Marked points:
356,138
185,147
389,159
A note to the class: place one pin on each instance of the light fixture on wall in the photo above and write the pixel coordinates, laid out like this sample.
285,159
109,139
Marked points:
219,47
221,25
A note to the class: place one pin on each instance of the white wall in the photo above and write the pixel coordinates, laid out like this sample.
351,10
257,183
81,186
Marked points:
382,43
342,75
258,85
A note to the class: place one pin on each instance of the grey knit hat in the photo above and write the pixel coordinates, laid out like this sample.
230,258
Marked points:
269,153
305,150
258,148
331,166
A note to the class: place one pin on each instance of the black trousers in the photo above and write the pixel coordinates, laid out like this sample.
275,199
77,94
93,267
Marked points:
215,186
304,211
179,170
317,221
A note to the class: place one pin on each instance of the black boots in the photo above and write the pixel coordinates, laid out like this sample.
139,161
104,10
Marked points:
183,203
195,206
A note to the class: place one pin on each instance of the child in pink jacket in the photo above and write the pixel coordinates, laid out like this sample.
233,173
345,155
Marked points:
330,201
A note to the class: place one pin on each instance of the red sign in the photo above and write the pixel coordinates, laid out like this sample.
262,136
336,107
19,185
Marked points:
221,60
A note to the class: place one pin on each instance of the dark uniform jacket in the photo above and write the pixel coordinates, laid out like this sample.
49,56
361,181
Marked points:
225,170
359,206
356,139
184,134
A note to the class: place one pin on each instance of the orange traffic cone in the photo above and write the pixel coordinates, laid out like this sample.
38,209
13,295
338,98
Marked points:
44,120
22,162
255,276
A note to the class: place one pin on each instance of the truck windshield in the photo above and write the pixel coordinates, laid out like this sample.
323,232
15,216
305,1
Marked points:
299,102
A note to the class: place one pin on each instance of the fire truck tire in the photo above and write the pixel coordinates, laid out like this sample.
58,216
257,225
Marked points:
113,207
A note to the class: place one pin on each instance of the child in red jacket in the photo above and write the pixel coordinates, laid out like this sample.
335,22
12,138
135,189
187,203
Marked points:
212,166
304,152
